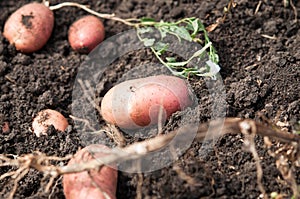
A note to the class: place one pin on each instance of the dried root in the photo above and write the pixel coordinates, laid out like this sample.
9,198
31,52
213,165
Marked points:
49,165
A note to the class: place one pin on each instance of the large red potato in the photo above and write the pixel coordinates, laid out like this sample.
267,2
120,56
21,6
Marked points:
29,27
48,117
86,33
140,102
96,183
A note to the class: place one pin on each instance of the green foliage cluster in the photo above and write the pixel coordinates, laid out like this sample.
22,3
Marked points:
188,29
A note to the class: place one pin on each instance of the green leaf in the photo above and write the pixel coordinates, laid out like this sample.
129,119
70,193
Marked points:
176,64
181,32
215,58
144,30
201,27
160,47
147,19
148,42
189,27
195,25
171,59
163,32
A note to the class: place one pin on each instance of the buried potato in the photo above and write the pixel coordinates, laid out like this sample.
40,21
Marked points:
48,117
142,102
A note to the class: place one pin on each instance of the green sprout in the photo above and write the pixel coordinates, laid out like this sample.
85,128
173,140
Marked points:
187,29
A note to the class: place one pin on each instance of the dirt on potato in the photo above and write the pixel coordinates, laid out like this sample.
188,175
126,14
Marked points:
258,46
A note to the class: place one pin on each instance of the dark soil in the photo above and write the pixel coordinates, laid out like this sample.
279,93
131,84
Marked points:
260,67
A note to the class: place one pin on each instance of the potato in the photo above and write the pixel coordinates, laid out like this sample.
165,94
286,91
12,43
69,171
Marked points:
84,184
29,27
138,103
86,33
5,127
48,117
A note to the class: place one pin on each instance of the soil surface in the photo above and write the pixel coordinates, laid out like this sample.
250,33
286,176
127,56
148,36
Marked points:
258,46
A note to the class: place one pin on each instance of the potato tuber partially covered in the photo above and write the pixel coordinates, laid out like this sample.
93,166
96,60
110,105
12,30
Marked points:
98,183
29,27
140,102
48,117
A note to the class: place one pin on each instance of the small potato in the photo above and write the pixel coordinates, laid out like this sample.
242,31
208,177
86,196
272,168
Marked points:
86,33
5,127
29,27
46,118
96,183
142,102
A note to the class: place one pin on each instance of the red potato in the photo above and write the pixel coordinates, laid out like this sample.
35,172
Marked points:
29,27
86,33
48,117
95,184
5,127
139,103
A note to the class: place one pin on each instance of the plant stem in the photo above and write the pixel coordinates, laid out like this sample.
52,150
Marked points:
101,15
164,63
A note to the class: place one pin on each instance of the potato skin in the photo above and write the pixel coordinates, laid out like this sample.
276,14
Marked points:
137,103
29,27
81,185
86,33
48,117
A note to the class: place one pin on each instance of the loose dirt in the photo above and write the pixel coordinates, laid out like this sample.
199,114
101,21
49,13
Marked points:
258,46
